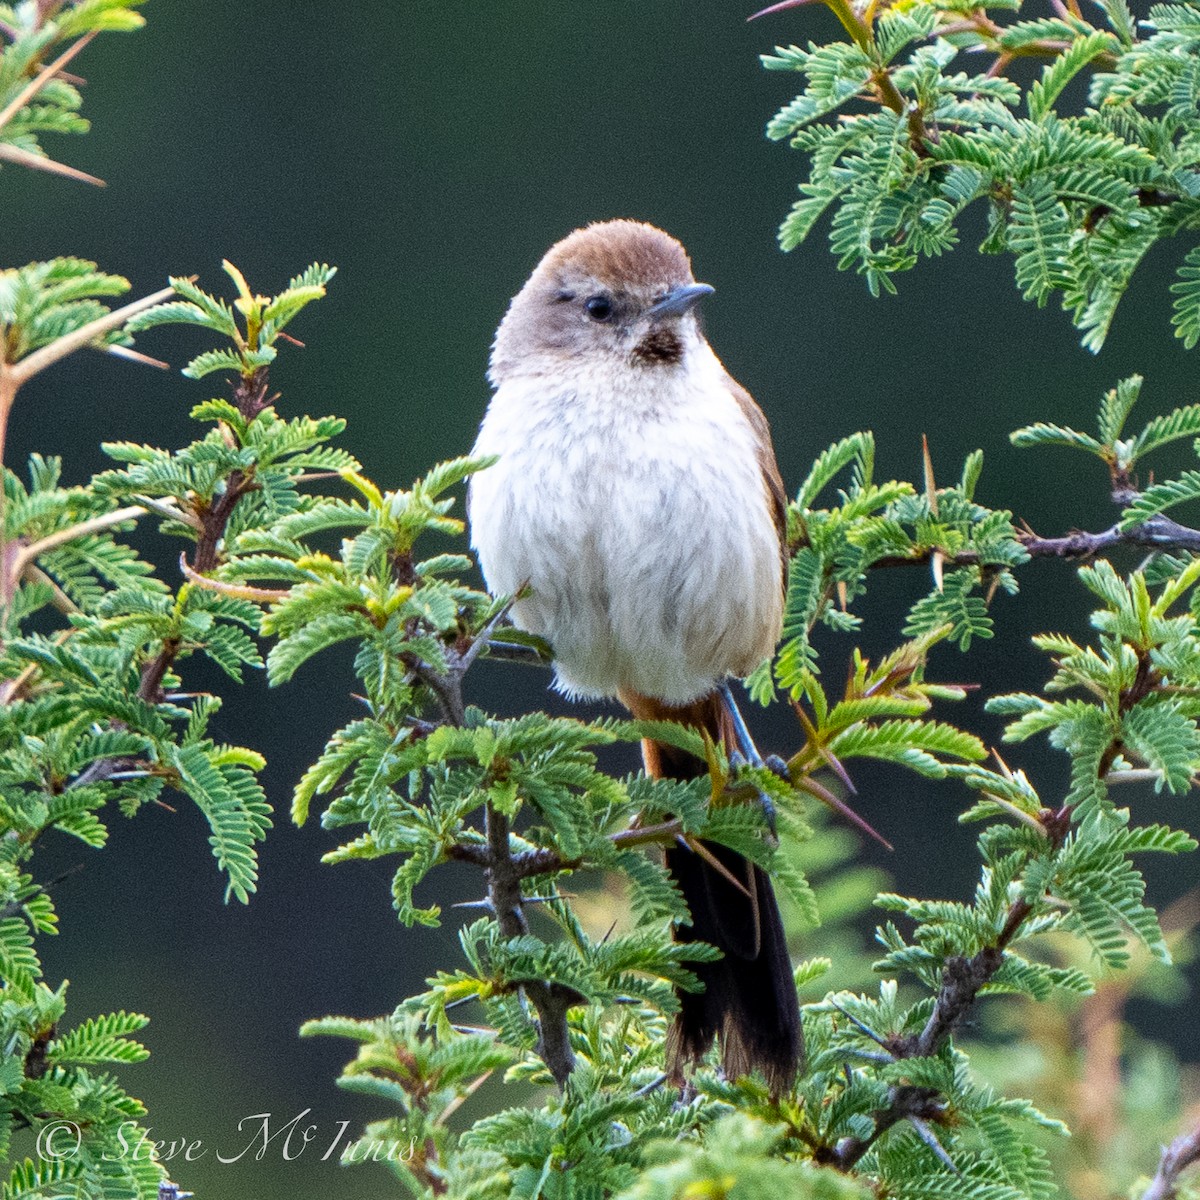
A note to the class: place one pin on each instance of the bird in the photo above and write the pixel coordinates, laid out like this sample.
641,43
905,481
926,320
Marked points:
636,510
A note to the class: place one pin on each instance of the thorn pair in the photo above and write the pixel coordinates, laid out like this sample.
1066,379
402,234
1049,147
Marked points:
747,752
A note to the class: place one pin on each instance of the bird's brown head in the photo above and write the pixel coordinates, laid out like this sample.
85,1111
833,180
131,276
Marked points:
618,293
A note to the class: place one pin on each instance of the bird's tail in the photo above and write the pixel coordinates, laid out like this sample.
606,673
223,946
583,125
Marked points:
749,997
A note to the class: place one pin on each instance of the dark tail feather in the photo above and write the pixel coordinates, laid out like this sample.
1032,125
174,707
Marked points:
749,997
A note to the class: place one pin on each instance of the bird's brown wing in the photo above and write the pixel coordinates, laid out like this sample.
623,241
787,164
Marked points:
765,452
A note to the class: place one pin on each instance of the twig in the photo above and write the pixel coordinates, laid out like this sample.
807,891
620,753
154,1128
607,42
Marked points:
14,908
240,591
1182,1153
214,519
503,870
212,522
482,638
445,688
1158,533
150,688
545,862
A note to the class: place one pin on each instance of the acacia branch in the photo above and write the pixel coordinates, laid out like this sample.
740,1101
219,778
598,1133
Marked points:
446,689
504,871
962,980
1158,533
545,862
551,1000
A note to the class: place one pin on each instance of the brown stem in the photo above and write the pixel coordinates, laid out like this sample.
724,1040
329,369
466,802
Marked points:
551,1000
504,872
150,689
215,518
213,521
250,395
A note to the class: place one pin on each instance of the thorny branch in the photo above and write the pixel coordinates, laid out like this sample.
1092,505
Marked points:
544,862
859,24
962,980
210,522
503,870
1158,533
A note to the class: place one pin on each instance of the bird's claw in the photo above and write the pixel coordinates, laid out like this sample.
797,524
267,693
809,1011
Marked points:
736,762
769,815
747,754
777,766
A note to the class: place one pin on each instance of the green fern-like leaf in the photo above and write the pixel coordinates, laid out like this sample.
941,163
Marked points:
1116,406
1186,318
1160,496
236,812
101,1039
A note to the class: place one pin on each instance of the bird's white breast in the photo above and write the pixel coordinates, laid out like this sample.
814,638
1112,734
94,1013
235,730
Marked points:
633,503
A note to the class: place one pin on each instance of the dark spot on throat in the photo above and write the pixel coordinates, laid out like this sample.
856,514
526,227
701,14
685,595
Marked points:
660,347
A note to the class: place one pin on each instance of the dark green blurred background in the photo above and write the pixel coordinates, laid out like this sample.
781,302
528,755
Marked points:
432,151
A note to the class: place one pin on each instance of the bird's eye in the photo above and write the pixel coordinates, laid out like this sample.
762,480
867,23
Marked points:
599,308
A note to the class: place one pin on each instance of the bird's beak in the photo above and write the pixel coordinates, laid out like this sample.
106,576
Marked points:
680,300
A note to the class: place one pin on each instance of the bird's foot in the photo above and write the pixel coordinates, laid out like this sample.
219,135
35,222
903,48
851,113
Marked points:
745,742
736,762
777,766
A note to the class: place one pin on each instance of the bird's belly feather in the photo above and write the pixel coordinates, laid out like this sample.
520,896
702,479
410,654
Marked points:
649,547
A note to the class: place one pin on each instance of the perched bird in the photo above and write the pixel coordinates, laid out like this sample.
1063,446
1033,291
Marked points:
636,491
